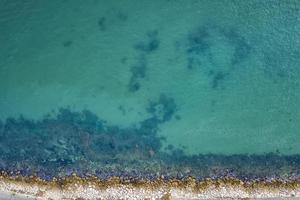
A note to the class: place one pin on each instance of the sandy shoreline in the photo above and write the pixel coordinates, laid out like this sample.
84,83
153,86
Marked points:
91,188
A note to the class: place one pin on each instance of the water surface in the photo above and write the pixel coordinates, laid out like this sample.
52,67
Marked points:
189,87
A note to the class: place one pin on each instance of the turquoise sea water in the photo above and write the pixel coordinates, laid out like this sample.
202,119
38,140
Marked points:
90,82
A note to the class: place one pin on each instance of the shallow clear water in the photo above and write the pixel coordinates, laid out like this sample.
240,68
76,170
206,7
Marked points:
102,84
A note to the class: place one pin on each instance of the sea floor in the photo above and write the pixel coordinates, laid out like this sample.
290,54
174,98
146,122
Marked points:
150,89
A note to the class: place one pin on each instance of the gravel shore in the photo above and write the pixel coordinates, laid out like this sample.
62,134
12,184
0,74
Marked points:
78,188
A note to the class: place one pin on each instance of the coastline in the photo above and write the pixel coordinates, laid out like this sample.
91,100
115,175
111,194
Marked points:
74,187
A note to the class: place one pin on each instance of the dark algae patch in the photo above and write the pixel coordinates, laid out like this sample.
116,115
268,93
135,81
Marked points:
202,53
242,48
150,44
144,49
67,43
123,17
102,23
82,143
163,109
217,78
138,71
198,42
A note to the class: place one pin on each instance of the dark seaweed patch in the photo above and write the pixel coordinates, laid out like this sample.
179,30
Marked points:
122,16
150,45
133,85
1,127
82,143
122,109
170,147
102,23
242,48
241,53
197,41
217,78
192,62
197,46
149,126
73,137
199,50
138,71
177,117
124,60
163,109
67,43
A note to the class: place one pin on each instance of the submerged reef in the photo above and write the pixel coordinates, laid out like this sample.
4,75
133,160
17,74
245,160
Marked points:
83,143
